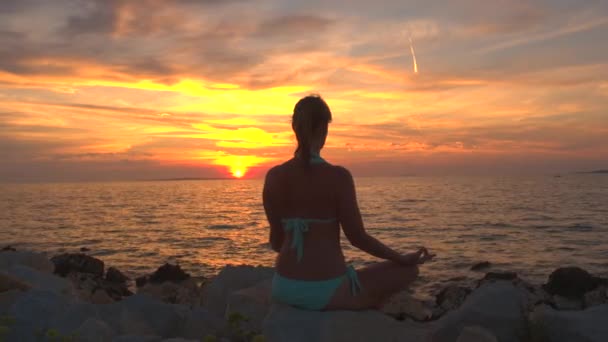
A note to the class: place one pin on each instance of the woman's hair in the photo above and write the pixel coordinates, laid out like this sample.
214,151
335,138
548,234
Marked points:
310,115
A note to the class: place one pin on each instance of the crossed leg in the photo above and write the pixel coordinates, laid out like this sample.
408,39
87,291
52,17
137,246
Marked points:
378,283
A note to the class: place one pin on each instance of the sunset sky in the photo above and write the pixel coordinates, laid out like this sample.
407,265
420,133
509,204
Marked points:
117,89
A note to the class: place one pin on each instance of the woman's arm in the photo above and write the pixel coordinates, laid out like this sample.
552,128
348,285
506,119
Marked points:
272,201
352,224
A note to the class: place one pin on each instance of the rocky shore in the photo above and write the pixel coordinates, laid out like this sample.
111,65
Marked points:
74,297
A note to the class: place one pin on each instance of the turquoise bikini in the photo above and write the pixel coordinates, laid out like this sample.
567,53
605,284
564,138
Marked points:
308,294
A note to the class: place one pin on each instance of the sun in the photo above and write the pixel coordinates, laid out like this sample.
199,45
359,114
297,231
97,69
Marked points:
238,173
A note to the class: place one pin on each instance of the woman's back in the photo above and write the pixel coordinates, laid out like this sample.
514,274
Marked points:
307,201
310,193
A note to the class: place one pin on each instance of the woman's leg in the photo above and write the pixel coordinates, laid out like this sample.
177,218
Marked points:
378,283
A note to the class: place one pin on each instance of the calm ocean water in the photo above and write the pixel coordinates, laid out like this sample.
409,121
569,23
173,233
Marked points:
526,224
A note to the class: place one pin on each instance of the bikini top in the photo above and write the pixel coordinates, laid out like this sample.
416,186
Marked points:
298,226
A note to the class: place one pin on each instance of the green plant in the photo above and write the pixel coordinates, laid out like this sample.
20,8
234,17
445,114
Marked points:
55,336
237,332
210,338
5,326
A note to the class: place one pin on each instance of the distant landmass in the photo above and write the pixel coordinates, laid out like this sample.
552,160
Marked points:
595,171
187,179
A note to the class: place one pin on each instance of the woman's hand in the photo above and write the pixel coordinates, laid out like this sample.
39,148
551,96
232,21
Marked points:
419,257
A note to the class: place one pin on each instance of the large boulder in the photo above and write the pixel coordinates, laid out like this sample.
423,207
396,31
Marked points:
38,279
596,297
7,299
200,322
566,303
94,330
77,262
252,303
229,280
36,261
476,334
403,305
144,315
186,292
288,324
9,282
451,297
91,287
496,307
137,338
32,313
115,276
548,324
165,273
72,317
571,282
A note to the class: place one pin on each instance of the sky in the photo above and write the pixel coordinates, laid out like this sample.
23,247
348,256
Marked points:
119,89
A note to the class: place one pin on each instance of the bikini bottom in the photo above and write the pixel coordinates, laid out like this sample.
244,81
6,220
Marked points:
309,294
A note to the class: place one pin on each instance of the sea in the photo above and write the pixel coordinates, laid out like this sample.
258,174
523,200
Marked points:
527,224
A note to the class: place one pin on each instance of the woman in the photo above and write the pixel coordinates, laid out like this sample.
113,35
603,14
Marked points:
306,201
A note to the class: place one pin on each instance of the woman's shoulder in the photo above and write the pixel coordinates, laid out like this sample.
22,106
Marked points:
341,171
279,169
338,171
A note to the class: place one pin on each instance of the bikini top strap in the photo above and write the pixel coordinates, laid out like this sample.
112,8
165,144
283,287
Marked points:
297,227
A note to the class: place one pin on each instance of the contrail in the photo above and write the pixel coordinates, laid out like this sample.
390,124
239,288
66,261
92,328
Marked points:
413,55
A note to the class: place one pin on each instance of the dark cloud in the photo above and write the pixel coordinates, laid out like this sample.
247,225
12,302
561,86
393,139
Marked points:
101,170
294,26
102,17
14,6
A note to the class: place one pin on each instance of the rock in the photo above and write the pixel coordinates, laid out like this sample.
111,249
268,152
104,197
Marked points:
143,315
7,299
137,338
229,280
403,305
8,248
571,282
452,297
115,276
595,297
481,265
72,317
8,282
476,334
564,303
253,303
32,312
493,276
186,292
77,262
101,297
535,295
168,272
40,280
36,261
88,284
93,330
141,281
588,325
116,290
285,323
200,322
85,249
496,307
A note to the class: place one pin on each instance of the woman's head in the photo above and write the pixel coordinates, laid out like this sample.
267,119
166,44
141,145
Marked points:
311,117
